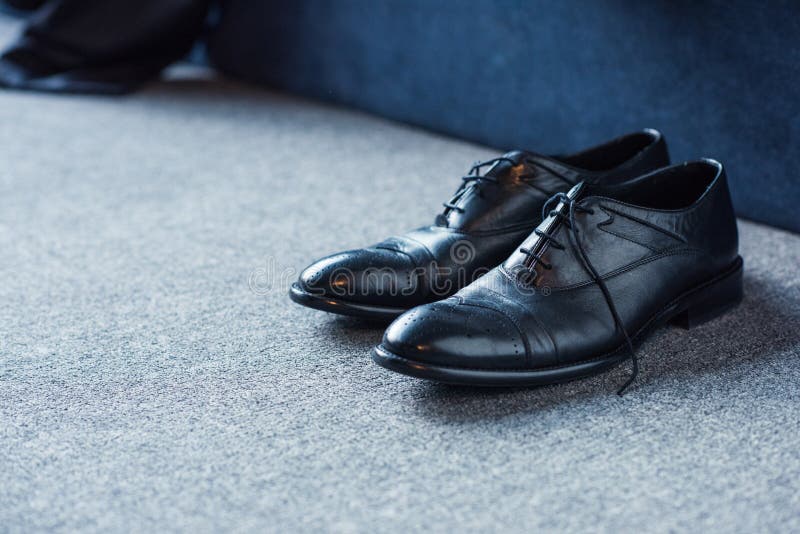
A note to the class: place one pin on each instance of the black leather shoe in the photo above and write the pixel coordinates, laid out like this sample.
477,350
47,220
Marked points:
604,268
22,5
488,217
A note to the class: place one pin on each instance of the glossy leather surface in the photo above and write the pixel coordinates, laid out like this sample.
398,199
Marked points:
652,240
489,220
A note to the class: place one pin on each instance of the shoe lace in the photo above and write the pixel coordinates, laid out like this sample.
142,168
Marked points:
473,176
567,218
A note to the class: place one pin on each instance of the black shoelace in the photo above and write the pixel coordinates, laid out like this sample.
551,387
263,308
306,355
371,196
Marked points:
473,175
568,220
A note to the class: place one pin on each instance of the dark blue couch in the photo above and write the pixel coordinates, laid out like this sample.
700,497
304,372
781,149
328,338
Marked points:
720,79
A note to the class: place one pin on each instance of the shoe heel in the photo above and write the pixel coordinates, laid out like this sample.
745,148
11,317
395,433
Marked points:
712,301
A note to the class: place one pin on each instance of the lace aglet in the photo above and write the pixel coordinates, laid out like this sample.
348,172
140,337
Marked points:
621,391
625,386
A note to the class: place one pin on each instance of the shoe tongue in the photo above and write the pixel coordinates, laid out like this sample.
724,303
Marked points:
549,225
517,156
506,164
521,163
527,163
577,192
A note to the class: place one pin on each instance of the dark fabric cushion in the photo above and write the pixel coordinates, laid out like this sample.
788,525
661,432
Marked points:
719,78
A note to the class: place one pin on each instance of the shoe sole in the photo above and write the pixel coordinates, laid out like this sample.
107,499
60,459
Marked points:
697,306
343,307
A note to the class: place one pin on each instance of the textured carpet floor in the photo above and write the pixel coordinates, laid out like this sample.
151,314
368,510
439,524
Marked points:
154,375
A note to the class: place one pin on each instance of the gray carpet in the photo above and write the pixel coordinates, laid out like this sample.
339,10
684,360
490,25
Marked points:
154,375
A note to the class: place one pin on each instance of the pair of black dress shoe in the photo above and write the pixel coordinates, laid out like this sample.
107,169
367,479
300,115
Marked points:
485,296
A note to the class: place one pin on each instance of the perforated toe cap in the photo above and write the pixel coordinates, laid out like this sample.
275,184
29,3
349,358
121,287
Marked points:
449,333
370,275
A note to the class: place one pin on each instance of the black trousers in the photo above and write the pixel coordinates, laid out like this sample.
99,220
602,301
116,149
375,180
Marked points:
101,46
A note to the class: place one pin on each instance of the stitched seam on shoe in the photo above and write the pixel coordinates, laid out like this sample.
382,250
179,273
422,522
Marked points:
426,282
522,336
504,272
529,352
424,247
611,212
406,254
630,267
626,238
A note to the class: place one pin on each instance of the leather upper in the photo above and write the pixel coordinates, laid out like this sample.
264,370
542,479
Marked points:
489,218
651,239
